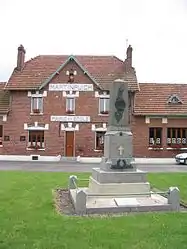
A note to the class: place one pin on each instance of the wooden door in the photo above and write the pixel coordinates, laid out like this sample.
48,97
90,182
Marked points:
69,143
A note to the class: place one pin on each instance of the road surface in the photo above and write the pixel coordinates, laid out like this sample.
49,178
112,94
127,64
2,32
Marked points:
82,167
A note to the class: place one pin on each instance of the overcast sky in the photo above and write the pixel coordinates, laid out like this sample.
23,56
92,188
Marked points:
157,30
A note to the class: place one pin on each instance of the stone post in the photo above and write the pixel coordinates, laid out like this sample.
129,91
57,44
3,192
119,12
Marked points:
80,203
72,180
174,198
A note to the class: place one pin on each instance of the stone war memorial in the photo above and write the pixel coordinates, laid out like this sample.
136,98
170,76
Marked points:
117,186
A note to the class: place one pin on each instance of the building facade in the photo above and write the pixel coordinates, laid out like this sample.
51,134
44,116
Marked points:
59,105
160,121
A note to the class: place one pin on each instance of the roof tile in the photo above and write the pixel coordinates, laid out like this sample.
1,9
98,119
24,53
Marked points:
4,99
152,99
104,69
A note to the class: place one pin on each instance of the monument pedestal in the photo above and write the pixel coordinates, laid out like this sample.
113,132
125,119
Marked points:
115,189
118,183
118,149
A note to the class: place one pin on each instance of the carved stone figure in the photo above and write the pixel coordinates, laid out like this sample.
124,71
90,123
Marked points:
119,104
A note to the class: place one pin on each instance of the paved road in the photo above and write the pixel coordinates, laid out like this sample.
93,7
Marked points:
82,167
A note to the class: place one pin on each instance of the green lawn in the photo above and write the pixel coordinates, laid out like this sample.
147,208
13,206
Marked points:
164,180
28,219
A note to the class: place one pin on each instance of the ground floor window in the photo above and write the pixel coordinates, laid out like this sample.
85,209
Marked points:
99,140
36,139
177,136
1,135
155,136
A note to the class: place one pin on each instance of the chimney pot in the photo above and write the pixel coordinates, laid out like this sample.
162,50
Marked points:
129,52
20,58
129,56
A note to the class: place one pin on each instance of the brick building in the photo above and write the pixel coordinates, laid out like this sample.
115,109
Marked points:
160,120
59,105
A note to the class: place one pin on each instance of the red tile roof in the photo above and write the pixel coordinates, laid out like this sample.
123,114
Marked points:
104,69
4,99
2,85
152,99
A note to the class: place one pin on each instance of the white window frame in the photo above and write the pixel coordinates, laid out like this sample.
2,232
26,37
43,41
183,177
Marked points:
71,104
37,104
104,96
104,105
37,94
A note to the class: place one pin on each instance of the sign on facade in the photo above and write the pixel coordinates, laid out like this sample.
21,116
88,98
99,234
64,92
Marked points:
82,119
71,87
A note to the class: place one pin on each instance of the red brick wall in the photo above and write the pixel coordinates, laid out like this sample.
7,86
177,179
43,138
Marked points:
85,105
14,127
54,104
141,136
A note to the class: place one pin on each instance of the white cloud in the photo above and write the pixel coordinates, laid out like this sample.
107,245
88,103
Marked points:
155,28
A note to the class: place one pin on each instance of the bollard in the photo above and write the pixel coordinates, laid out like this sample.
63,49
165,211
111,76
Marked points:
80,204
72,181
174,198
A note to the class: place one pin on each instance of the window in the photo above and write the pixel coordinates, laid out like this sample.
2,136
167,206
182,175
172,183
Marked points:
155,136
104,105
36,139
22,138
1,135
177,136
36,104
99,143
6,138
174,99
70,105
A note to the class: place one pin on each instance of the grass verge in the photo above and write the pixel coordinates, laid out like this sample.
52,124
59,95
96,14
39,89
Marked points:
28,219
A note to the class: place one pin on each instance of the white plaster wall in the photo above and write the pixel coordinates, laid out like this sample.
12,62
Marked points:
29,158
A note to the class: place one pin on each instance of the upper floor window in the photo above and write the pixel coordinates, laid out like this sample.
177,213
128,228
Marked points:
37,101
103,105
70,105
177,136
37,105
155,136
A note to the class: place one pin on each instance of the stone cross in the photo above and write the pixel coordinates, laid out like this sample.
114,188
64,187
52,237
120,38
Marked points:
121,149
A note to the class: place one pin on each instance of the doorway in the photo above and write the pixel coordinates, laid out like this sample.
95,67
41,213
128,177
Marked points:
69,144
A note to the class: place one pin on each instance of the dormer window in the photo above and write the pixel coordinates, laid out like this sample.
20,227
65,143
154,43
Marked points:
174,99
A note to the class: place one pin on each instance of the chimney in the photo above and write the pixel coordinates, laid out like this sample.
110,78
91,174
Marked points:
129,56
20,58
